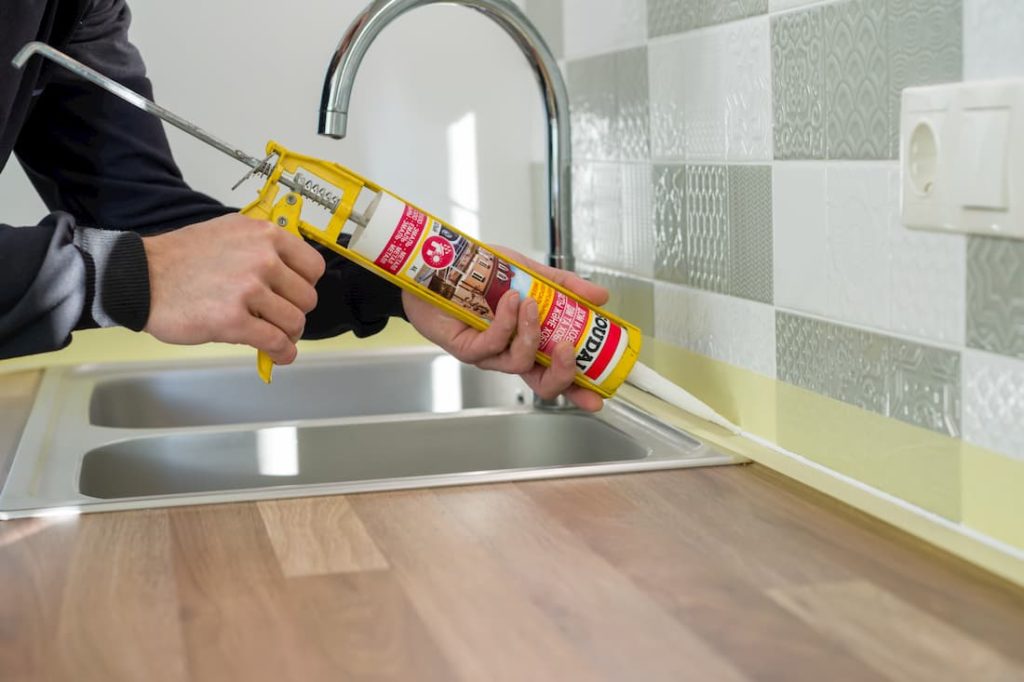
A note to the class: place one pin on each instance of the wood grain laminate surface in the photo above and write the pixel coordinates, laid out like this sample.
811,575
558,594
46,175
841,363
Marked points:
731,573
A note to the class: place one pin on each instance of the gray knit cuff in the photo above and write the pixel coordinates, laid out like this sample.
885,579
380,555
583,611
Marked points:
118,277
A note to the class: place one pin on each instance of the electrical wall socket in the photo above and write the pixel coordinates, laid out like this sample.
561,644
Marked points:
962,158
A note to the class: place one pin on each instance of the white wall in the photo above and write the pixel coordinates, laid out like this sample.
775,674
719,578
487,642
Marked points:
249,70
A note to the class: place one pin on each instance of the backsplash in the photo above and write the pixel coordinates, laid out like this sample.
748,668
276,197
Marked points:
736,186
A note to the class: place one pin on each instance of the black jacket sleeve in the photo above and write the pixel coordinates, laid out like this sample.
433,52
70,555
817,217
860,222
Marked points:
99,161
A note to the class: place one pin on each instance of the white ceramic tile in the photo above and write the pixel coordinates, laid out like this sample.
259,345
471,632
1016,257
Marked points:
929,280
595,26
733,330
780,5
635,242
860,212
993,402
704,56
667,74
748,93
993,39
799,217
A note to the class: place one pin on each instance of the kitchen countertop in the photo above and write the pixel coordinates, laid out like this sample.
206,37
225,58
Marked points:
714,574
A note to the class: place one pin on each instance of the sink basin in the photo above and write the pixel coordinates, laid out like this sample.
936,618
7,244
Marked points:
112,437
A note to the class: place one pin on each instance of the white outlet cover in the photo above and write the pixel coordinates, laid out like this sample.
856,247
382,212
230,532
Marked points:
962,158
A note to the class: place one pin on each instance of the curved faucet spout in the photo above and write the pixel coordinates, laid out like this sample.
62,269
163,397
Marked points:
341,74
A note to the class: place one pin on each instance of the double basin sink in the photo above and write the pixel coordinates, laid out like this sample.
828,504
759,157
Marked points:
109,437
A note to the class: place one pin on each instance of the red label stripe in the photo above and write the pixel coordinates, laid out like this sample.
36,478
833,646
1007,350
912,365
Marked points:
611,344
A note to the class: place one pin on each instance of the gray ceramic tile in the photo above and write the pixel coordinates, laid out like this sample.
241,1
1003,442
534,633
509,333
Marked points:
707,225
925,47
995,295
631,299
750,232
547,16
798,85
632,118
593,107
856,80
925,386
675,16
911,382
670,223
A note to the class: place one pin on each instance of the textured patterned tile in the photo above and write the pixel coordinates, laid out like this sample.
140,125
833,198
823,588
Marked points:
914,383
547,17
597,210
994,402
780,5
856,80
750,232
706,109
995,295
593,107
925,47
670,263
798,84
632,116
632,299
748,95
927,296
593,26
741,333
674,16
992,39
667,72
707,226
860,213
925,386
634,242
800,236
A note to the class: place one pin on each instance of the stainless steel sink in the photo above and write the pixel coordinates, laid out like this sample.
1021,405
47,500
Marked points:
148,435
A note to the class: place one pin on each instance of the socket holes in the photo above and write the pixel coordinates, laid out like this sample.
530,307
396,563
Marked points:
923,158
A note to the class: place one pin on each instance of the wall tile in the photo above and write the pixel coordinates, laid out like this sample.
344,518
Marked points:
780,5
674,16
670,263
593,26
593,107
798,84
925,386
612,216
925,44
911,382
995,295
994,402
992,39
856,80
635,240
706,105
631,298
748,95
750,232
732,330
667,68
860,213
928,290
707,227
632,116
800,221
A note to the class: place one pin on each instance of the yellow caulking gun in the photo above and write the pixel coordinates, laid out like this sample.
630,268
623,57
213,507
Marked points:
406,245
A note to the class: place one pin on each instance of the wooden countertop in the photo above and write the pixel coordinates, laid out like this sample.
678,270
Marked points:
731,573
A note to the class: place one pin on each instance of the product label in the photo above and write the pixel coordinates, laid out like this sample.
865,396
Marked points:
412,245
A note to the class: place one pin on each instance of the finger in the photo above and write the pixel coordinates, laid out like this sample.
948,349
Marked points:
474,347
300,256
264,336
279,312
521,354
294,288
552,381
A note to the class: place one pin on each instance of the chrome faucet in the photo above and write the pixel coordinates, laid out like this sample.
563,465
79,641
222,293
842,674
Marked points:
341,75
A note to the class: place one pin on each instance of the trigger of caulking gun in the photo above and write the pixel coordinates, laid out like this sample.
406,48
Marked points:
327,185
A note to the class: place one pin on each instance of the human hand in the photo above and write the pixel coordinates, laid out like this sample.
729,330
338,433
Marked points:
232,279
510,344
